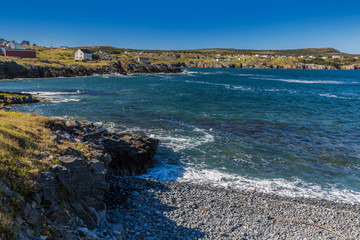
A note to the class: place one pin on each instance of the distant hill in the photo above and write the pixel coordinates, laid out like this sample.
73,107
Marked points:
288,52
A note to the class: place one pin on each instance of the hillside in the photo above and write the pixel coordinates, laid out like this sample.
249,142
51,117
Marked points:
289,52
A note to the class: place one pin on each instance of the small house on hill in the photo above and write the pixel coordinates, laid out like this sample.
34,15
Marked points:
82,54
143,60
14,45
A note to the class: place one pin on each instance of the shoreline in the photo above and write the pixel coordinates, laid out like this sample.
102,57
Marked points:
11,70
199,64
173,210
141,208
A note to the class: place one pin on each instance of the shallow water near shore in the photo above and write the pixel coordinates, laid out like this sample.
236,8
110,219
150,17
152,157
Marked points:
292,132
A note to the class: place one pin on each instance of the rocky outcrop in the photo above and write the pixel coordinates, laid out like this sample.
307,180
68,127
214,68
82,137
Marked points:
351,67
70,200
11,69
200,64
16,98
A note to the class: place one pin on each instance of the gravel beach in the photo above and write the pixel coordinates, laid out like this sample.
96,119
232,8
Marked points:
147,209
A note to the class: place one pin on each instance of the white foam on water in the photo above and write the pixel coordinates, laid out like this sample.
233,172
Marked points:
62,100
304,81
280,90
209,83
242,88
332,96
272,90
45,94
251,75
296,188
179,141
186,72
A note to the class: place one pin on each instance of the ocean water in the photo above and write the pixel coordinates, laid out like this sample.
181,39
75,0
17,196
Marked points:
292,132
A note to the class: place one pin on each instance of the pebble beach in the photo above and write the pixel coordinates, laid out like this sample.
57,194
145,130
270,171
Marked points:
147,209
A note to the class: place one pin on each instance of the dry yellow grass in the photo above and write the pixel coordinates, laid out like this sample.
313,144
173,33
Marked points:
47,56
26,150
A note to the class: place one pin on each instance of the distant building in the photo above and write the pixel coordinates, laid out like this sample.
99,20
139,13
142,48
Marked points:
21,53
143,60
3,41
64,47
324,57
14,45
356,58
336,56
26,43
82,54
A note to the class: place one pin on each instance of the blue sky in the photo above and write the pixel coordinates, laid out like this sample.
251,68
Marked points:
186,24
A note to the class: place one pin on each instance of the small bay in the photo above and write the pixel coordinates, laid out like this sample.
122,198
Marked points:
294,132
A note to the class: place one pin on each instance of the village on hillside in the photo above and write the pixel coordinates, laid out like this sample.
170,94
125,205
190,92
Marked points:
13,50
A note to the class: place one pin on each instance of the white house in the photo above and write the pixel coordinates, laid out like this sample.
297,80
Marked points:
3,41
82,54
14,45
143,60
336,56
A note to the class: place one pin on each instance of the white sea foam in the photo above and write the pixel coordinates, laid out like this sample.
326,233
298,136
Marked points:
296,188
186,72
305,81
62,100
45,94
332,96
242,88
209,83
280,90
251,75
179,141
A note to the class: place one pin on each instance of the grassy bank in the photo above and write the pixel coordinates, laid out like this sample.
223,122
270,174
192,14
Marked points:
26,149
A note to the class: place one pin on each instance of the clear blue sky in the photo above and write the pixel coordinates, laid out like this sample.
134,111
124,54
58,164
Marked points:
185,24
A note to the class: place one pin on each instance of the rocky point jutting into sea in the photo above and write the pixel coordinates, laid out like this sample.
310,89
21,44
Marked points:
11,69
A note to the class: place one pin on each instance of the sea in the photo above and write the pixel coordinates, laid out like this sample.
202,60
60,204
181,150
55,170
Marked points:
289,132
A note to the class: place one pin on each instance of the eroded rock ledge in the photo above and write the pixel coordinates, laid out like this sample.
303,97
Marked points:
71,194
200,64
11,69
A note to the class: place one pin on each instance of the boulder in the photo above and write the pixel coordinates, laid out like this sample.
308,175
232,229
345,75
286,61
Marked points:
131,155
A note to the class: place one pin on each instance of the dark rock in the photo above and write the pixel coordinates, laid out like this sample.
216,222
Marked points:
87,214
12,69
48,186
131,154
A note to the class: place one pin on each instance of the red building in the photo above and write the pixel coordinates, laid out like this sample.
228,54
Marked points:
22,53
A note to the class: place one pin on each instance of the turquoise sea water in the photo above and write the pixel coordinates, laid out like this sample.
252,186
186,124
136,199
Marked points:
296,132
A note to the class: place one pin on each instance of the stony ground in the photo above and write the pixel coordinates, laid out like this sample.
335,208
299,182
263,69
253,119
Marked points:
146,209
